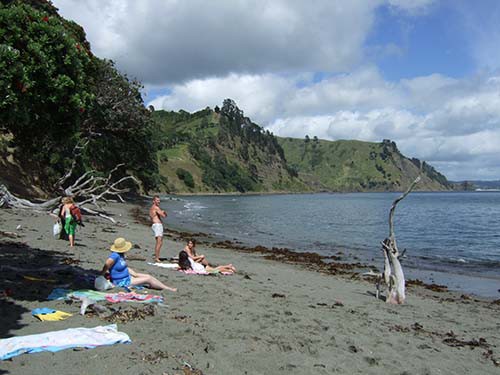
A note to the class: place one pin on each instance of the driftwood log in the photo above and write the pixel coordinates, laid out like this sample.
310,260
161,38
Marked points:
87,189
393,276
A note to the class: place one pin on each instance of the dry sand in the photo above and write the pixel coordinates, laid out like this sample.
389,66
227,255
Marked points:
269,318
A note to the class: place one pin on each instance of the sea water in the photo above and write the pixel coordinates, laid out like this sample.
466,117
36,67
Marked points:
449,237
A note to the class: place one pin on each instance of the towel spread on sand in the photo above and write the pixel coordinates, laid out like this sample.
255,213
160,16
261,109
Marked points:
200,272
59,340
50,315
59,294
165,265
133,297
193,272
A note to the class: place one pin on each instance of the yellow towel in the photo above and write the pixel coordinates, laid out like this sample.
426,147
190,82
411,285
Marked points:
53,316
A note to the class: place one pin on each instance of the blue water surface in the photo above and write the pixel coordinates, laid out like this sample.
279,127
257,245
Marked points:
452,232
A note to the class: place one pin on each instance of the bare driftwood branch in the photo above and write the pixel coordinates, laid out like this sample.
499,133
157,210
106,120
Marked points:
77,151
393,275
7,199
88,189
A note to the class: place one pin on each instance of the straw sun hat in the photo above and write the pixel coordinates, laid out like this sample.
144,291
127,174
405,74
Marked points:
121,246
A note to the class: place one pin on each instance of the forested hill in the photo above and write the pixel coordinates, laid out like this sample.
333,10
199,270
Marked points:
221,150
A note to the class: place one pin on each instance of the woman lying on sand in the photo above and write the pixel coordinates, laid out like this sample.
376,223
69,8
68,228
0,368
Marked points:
122,275
190,249
186,263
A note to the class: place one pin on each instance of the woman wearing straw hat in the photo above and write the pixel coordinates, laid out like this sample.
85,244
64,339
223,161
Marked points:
122,275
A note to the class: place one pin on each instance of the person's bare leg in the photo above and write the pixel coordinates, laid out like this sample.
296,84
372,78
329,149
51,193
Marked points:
226,268
159,242
153,282
230,267
71,240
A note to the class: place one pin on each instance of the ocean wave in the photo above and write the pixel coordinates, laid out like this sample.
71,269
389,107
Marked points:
194,206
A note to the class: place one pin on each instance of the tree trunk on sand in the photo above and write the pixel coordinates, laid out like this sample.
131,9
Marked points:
87,189
393,275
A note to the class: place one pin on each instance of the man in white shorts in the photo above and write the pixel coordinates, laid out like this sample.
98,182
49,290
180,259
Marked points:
156,214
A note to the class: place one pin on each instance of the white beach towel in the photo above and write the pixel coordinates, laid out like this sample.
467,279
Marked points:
173,266
59,340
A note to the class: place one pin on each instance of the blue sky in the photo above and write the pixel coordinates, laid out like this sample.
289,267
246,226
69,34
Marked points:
423,45
424,73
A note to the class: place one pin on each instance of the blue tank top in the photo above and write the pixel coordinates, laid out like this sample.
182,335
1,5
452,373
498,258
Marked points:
119,270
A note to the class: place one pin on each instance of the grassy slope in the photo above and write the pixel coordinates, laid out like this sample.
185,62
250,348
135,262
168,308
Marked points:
353,165
321,165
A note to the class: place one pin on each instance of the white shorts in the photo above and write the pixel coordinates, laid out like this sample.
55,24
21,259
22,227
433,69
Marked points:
157,229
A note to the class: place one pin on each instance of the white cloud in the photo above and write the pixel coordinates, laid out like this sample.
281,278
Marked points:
411,6
263,54
435,118
481,31
173,41
258,95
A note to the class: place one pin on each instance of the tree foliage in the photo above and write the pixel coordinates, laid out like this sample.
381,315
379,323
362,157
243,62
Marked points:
55,94
119,126
185,176
44,87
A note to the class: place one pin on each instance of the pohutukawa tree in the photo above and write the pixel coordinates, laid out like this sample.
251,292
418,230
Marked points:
44,89
77,124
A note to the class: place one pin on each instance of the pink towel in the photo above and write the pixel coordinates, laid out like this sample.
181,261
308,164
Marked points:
133,297
193,272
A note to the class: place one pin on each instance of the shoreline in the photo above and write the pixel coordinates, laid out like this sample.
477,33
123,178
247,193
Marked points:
279,317
482,286
230,194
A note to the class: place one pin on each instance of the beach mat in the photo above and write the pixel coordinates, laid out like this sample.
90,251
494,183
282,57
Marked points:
61,294
205,273
55,341
172,266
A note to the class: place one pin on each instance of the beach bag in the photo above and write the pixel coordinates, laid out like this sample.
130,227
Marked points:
101,283
56,229
76,213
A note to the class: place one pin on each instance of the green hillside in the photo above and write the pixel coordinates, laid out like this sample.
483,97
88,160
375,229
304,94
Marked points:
349,165
221,150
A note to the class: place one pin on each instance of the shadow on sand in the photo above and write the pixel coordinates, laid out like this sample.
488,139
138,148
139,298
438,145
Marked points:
29,274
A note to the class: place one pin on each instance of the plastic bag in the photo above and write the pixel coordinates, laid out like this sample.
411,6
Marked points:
101,283
56,229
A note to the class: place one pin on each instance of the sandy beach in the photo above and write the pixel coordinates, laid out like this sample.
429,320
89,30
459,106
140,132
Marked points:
275,316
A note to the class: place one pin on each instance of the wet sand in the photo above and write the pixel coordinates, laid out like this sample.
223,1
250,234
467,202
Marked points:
280,314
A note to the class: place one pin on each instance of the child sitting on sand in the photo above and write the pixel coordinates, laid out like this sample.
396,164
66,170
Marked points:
122,275
186,263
